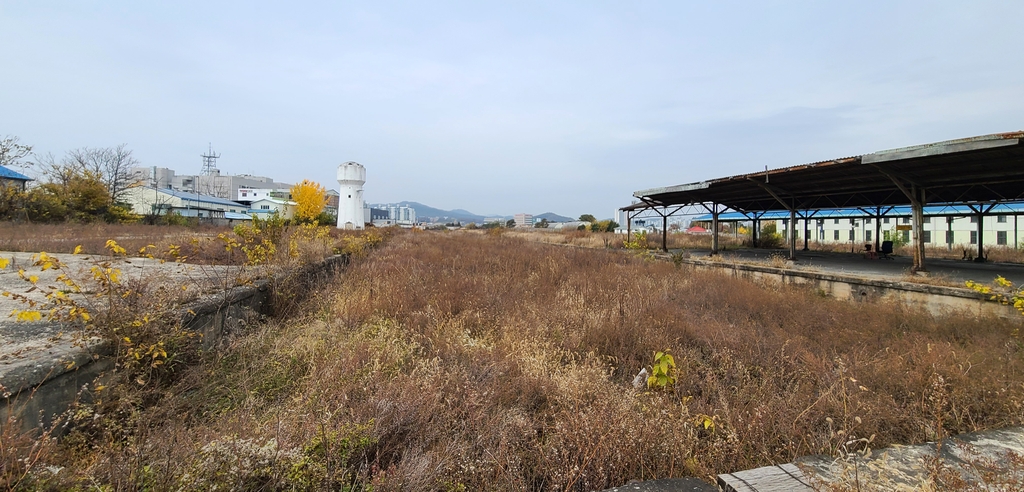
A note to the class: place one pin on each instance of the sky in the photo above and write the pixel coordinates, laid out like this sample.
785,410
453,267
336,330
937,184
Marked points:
507,107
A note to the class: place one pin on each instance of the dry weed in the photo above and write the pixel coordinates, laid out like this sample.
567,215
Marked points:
486,362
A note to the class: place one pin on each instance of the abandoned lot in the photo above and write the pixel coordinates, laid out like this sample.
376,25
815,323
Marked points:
459,361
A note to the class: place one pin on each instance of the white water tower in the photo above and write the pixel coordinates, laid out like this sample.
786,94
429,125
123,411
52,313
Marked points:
351,176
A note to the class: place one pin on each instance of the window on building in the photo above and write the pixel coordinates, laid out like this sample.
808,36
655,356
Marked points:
853,235
821,234
926,236
906,220
927,220
974,237
1001,219
835,234
885,220
836,221
974,219
867,220
265,207
1001,237
906,236
867,236
949,237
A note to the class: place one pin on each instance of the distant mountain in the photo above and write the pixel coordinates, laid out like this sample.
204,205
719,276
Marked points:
552,217
426,213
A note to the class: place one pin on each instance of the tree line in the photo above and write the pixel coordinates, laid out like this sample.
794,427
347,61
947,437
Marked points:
84,185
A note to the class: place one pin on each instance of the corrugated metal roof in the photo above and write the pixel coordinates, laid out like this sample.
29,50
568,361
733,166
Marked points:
196,197
8,173
986,168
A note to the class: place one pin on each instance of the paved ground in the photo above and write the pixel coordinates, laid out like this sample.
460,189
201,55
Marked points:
30,350
954,272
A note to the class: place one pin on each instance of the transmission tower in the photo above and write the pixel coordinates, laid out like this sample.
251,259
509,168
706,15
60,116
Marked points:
210,163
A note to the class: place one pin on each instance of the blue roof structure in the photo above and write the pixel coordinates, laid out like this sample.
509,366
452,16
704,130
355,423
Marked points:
899,211
7,173
196,197
237,216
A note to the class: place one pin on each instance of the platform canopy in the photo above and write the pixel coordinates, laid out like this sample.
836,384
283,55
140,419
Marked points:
978,172
983,169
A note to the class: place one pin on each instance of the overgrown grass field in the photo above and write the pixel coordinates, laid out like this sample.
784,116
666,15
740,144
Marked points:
458,361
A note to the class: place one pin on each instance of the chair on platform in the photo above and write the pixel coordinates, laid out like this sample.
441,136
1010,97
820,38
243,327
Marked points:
886,250
869,254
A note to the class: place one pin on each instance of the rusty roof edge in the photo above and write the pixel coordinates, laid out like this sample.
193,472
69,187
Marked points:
980,138
948,147
673,189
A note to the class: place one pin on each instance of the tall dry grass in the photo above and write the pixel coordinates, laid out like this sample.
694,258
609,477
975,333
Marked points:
485,362
609,240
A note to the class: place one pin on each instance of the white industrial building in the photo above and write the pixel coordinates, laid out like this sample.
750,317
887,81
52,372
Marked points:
523,220
401,214
218,185
284,208
145,200
949,226
249,195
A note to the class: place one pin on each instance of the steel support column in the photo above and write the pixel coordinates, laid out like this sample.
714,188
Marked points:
806,231
980,211
714,230
917,208
949,233
916,195
981,241
878,228
792,234
664,233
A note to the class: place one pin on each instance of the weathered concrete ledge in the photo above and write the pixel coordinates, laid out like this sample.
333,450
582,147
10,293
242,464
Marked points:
984,460
38,388
936,299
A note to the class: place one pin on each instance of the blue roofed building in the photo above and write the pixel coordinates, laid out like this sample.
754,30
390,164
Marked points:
10,177
146,200
949,226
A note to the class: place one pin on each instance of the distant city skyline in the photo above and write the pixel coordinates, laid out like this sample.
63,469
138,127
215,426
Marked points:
506,108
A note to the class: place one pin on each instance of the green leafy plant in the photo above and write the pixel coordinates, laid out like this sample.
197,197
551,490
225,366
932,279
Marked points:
663,372
261,238
638,244
898,238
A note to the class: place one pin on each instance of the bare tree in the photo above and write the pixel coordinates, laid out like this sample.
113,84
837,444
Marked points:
12,152
112,164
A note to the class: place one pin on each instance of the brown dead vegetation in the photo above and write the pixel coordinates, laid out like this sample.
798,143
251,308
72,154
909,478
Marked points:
456,361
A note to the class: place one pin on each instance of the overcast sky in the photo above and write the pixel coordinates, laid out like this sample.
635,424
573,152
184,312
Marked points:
506,107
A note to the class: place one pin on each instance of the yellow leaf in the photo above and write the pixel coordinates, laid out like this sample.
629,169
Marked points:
28,315
4,262
33,278
78,250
